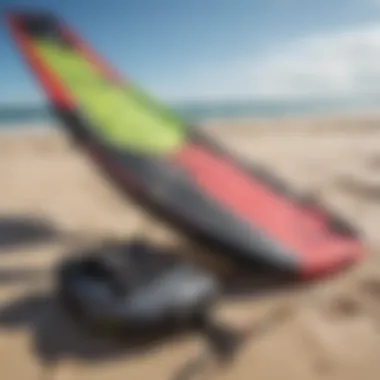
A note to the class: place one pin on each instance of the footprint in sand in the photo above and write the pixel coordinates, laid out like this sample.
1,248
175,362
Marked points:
374,162
365,188
371,288
344,306
362,181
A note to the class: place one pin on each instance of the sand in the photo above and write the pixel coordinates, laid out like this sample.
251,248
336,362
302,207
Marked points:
333,330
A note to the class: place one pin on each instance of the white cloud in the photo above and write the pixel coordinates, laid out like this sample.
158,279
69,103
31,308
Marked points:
345,64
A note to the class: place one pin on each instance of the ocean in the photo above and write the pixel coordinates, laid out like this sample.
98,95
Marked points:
12,117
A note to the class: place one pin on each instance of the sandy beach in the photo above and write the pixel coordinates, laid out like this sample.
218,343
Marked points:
333,330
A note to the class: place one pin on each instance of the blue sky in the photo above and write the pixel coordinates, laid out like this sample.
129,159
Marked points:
215,49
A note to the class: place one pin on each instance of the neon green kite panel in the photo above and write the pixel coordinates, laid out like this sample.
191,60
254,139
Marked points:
123,116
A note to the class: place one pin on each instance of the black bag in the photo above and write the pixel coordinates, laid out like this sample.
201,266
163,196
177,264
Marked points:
135,287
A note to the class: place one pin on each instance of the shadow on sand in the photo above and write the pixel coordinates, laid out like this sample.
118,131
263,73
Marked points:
55,336
18,231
